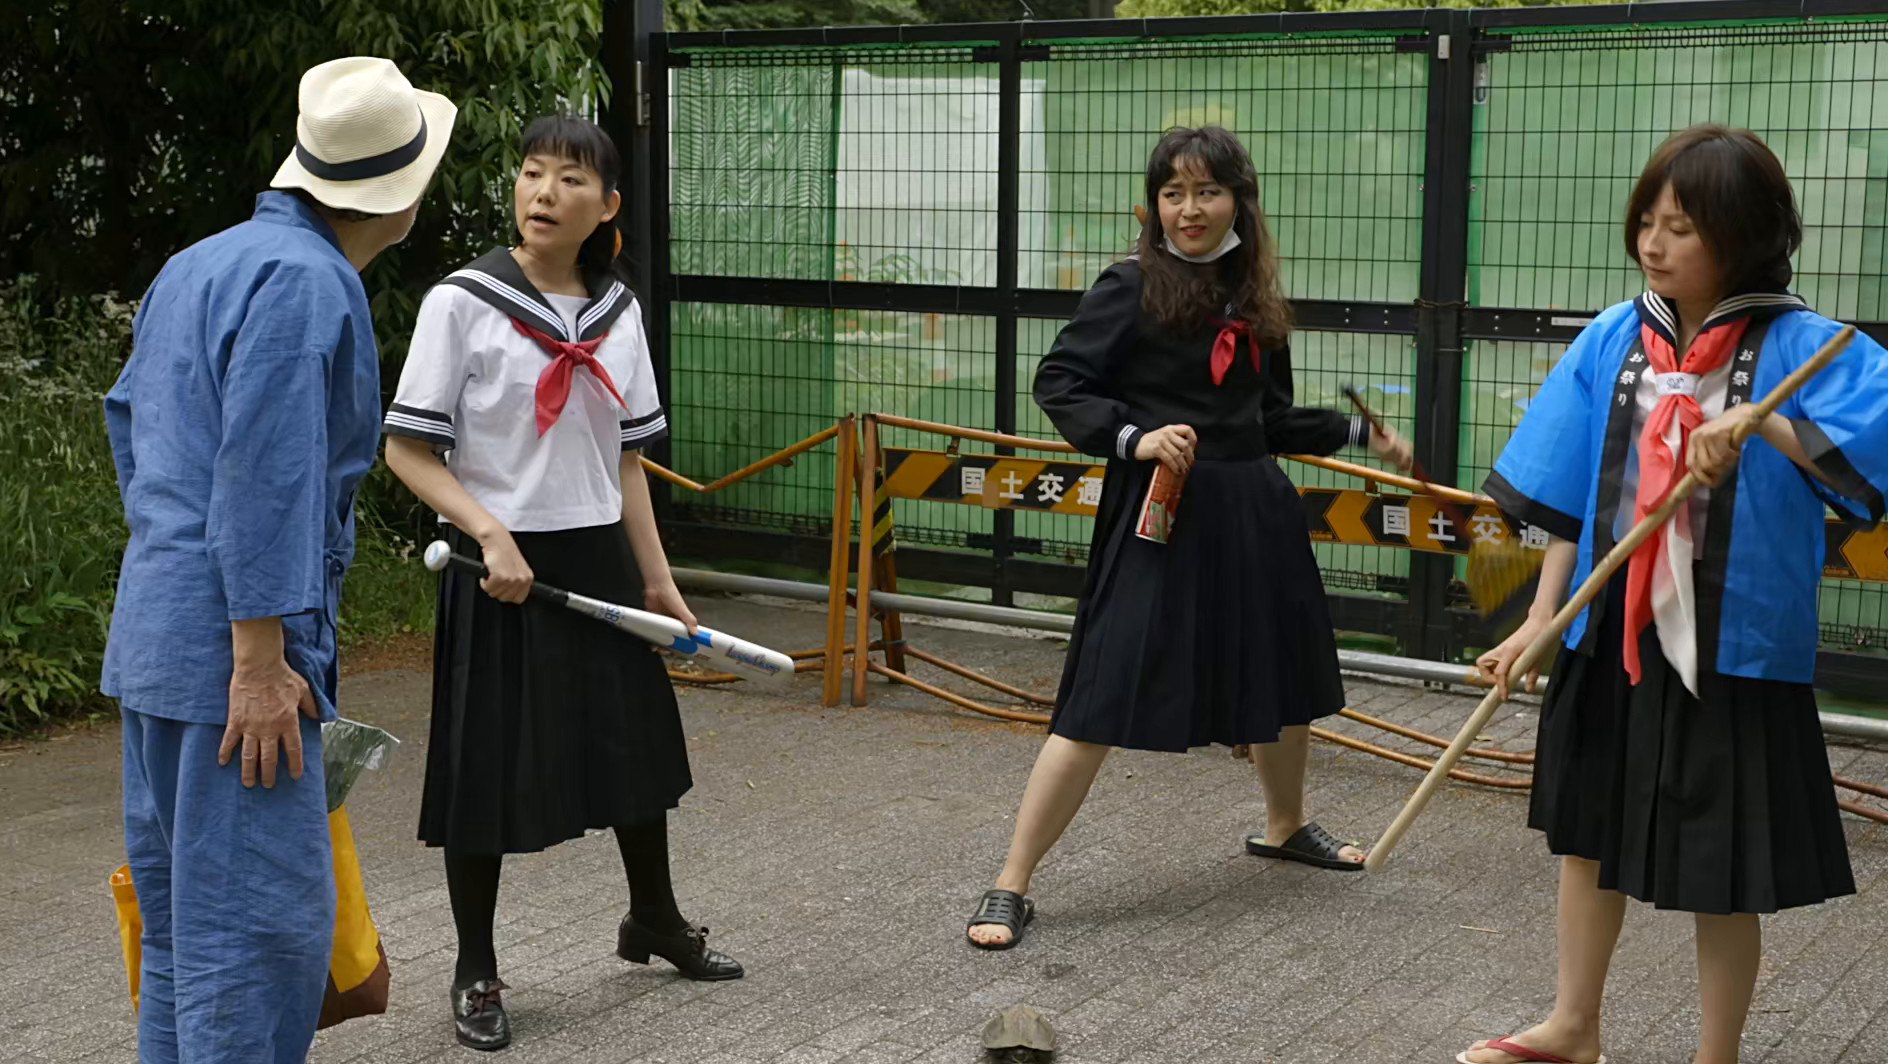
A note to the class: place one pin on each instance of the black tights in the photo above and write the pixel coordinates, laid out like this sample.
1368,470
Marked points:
472,881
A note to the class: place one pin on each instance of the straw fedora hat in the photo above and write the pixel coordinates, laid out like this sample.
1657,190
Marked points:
366,140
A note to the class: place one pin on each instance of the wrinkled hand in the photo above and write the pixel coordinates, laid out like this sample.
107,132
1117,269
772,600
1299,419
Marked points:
1716,444
1392,448
667,600
1172,445
508,577
1493,666
263,700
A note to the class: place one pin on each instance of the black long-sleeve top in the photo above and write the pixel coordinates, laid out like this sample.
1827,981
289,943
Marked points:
1115,374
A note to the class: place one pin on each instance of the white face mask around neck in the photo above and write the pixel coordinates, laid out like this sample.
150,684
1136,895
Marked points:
1226,244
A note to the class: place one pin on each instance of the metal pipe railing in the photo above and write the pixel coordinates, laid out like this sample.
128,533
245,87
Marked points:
1840,724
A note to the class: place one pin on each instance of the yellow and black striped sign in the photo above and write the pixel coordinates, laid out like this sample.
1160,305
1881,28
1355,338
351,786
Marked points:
1332,515
1340,515
999,483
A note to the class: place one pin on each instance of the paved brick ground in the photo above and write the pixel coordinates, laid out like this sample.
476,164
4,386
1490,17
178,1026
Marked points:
836,852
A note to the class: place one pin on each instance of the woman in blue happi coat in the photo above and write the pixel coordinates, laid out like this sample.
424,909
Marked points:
1680,758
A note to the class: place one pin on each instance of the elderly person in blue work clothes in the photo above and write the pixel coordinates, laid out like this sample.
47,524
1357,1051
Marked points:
241,425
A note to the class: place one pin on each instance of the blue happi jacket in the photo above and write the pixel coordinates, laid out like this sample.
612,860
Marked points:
241,426
1761,563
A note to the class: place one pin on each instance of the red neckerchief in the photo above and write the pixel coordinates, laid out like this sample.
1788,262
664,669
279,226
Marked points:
1226,345
554,383
1659,468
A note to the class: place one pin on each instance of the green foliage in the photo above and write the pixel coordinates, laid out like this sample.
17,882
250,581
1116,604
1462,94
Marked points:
772,14
1178,8
131,128
388,591
62,529
61,534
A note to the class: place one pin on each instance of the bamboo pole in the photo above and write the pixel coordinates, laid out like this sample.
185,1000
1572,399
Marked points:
838,562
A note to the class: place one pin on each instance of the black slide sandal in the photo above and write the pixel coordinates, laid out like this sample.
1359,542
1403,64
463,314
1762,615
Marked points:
1311,845
1005,908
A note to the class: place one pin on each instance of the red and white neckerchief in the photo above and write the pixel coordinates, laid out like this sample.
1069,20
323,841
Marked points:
1659,587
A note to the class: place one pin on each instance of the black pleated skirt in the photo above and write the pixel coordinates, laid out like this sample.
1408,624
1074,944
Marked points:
1219,635
545,722
1717,804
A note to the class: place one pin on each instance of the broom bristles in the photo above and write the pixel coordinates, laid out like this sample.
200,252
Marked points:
1501,575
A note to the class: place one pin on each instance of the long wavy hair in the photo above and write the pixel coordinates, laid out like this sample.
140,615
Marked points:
1184,296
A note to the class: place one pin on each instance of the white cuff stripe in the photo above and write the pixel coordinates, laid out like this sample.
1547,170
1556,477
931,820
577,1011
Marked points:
416,412
432,430
643,432
1121,440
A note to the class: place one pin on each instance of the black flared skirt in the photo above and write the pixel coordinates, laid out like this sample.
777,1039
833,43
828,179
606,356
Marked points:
1219,635
1721,803
545,722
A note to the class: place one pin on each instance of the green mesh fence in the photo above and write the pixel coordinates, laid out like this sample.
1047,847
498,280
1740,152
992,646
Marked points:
1335,128
1563,124
880,165
837,164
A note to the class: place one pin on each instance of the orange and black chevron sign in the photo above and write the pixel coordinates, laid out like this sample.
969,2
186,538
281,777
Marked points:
999,483
1854,555
1338,515
1332,515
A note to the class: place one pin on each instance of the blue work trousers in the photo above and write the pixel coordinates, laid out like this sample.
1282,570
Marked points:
236,889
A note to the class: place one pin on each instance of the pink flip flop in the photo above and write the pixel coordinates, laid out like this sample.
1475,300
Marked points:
1503,1045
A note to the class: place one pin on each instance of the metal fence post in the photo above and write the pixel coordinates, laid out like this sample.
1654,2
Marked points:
1008,228
1441,289
634,47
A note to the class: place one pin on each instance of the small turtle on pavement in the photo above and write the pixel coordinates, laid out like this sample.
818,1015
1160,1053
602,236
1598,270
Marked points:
1020,1034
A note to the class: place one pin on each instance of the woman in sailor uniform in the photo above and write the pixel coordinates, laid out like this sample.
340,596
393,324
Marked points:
1680,759
529,371
1177,357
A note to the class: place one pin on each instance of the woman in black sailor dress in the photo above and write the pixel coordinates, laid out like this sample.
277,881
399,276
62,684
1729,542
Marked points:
1178,357
529,369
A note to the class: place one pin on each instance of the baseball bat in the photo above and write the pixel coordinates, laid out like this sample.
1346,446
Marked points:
654,627
1587,592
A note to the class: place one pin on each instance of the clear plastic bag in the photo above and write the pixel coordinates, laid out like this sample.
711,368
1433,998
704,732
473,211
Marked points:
349,747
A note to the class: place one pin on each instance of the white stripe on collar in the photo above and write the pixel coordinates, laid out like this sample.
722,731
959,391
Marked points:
1667,315
1746,303
518,299
600,307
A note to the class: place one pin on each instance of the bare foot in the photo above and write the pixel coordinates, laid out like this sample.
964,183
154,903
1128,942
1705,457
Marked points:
1579,1046
989,934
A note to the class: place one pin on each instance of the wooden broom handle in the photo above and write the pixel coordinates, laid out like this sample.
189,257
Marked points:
1416,470
1582,598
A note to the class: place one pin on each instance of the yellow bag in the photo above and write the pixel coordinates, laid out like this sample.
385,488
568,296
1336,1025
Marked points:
130,926
358,976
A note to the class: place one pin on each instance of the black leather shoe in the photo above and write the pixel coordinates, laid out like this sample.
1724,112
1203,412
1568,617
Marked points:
687,949
478,1015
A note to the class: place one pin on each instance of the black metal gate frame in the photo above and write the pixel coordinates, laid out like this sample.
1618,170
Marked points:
638,56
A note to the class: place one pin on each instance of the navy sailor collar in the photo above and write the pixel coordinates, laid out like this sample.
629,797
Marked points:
1661,314
496,279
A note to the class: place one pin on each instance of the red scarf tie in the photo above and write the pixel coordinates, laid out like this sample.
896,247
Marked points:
1226,346
554,382
1659,468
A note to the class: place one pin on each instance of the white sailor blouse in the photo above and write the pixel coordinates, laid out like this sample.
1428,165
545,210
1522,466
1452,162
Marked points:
532,398
1753,548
